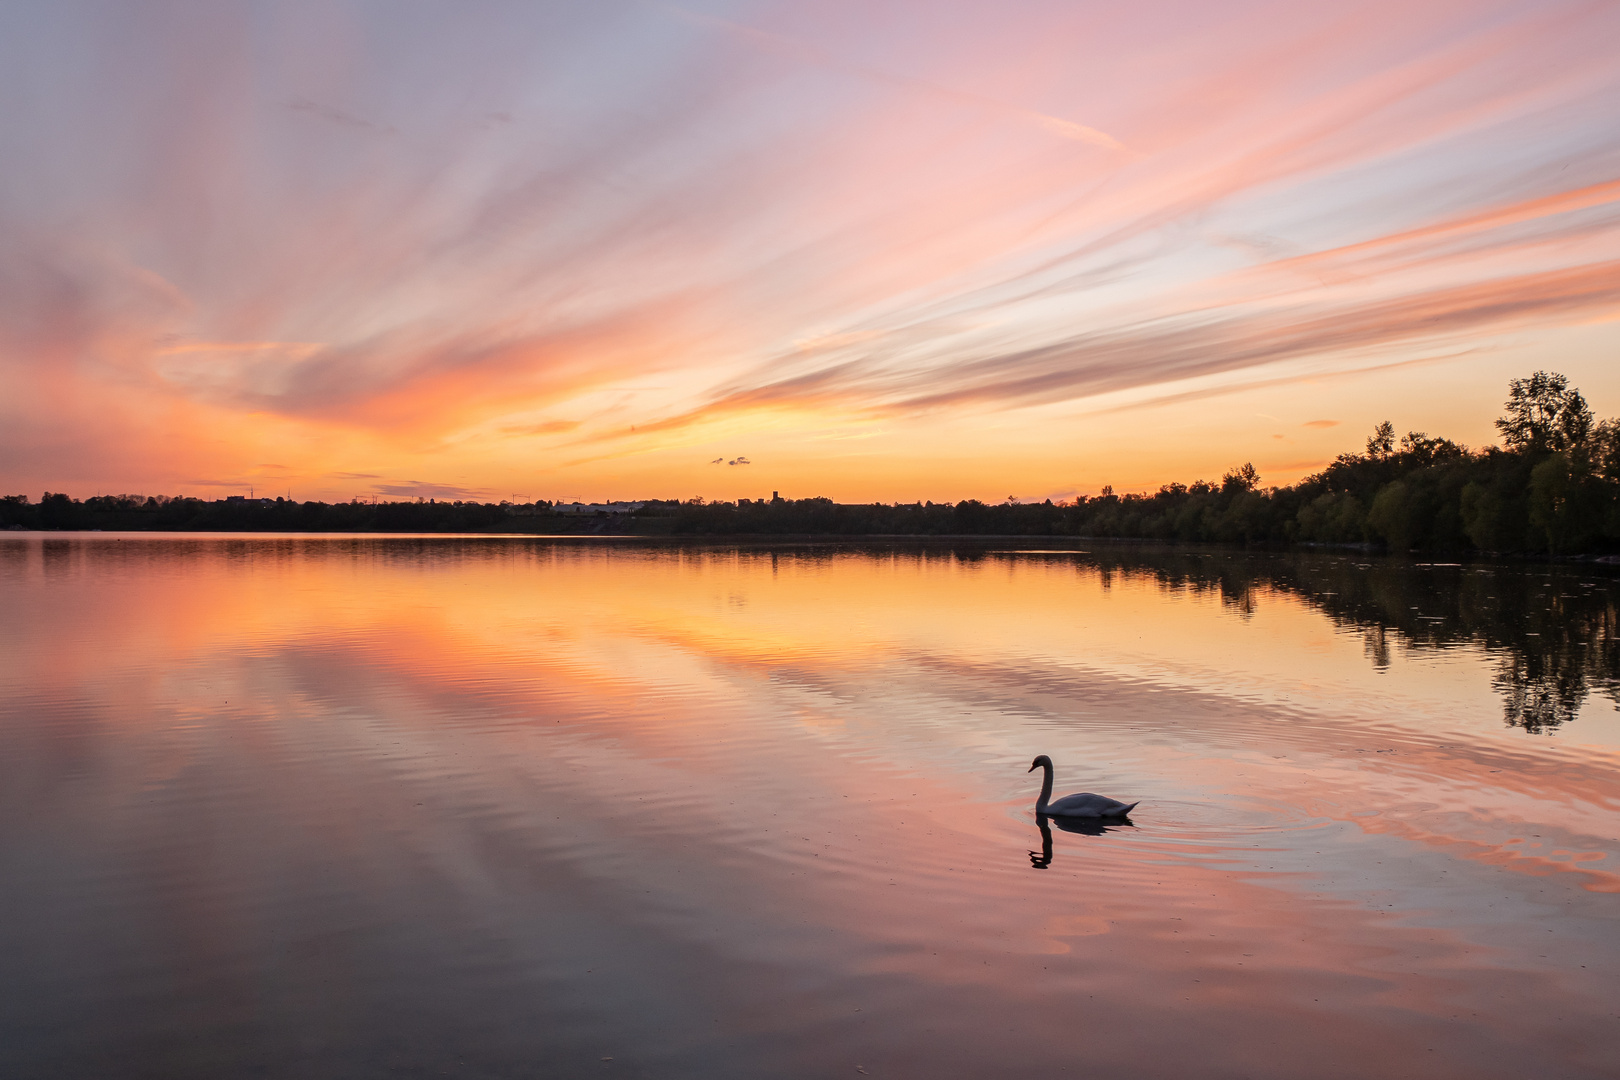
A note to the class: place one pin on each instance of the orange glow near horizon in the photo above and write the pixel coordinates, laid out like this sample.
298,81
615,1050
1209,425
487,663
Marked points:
885,253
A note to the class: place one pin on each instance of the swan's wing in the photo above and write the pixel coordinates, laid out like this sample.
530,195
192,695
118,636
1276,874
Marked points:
1085,804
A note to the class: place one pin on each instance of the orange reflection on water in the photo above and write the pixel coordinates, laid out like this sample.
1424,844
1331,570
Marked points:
741,807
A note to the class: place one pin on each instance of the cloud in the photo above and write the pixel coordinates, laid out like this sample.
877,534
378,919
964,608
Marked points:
548,427
1313,375
418,489
338,117
1098,363
802,52
208,483
210,257
1483,221
1197,344
1320,423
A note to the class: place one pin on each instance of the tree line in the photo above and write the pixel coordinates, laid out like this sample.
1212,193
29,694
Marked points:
1551,487
184,514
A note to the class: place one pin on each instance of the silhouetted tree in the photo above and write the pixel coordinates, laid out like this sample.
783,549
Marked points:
1242,478
1381,443
1544,413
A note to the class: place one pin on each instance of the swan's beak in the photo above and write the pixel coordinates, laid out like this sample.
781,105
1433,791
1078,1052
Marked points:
1032,768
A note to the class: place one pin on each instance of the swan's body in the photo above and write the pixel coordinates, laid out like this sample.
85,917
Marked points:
1082,804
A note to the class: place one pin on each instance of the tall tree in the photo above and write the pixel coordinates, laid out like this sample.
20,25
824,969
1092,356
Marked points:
1381,443
1545,414
1242,478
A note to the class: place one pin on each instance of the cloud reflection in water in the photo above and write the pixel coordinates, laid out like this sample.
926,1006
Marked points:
440,801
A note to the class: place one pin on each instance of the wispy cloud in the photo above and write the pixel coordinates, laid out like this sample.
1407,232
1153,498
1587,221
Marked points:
806,53
419,489
338,116
1521,211
545,427
1191,346
227,240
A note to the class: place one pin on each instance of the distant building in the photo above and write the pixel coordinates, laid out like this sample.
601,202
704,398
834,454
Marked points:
598,508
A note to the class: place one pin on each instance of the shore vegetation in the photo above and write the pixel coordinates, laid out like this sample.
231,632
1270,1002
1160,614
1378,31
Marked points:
1551,487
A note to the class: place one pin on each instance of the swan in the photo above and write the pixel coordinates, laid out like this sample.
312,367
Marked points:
1080,805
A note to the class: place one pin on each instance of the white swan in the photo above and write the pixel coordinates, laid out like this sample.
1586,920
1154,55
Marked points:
1079,805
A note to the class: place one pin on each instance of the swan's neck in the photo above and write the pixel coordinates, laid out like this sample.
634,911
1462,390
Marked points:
1046,788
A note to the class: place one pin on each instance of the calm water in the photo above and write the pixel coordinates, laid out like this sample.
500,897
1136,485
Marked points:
508,807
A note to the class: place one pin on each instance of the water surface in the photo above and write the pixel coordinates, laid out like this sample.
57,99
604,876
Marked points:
360,806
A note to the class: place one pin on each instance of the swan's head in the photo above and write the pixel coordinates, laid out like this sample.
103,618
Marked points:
1039,762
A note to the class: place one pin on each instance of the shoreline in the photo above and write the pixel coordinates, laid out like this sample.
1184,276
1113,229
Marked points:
1069,544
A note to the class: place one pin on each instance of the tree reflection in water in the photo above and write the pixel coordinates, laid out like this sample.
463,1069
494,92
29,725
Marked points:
1551,628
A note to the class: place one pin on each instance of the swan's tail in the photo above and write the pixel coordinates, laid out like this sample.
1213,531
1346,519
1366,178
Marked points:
1129,808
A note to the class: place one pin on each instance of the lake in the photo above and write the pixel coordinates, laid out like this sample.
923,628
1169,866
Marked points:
514,807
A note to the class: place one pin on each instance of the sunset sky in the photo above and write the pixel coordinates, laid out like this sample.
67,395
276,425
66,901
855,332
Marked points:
885,251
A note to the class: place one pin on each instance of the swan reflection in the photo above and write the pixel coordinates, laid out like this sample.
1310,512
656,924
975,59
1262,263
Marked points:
1041,859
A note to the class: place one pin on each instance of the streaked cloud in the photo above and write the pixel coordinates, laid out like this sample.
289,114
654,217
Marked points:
1194,345
803,52
418,489
545,246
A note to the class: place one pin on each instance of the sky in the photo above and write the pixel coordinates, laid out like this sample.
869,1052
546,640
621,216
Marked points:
868,251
